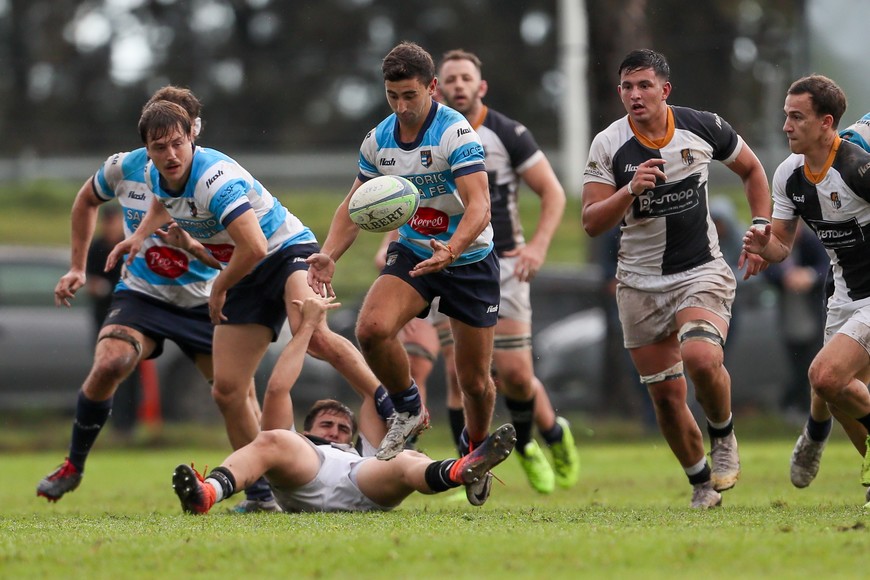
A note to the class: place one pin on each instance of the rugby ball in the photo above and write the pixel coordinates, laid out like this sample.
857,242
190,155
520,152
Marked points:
384,203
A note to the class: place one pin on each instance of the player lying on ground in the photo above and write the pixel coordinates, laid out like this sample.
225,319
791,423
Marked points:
319,470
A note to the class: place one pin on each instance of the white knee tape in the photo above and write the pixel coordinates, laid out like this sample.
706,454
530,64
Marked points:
701,330
674,372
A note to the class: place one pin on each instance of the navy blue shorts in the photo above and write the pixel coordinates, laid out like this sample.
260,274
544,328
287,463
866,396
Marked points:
190,328
258,298
469,293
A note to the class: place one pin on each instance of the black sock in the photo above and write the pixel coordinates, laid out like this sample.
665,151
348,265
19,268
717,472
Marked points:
457,424
865,420
259,490
408,401
438,475
720,433
89,420
554,434
522,416
225,478
383,403
702,476
819,430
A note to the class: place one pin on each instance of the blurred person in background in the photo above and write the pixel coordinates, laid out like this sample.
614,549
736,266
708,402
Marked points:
648,172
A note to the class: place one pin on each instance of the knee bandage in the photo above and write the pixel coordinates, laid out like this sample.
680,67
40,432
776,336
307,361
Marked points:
515,342
416,349
701,330
445,337
121,335
670,374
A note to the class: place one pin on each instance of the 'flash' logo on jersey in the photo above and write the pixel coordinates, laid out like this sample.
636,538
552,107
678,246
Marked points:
426,157
687,156
835,200
192,207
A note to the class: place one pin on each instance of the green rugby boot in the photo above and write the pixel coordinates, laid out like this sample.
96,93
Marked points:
537,469
566,460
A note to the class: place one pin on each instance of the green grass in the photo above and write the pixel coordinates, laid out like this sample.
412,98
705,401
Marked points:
38,213
627,518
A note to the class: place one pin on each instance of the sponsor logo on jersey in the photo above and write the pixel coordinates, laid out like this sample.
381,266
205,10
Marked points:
687,157
668,200
167,262
862,170
115,158
718,121
213,178
836,235
387,162
192,206
221,252
429,221
593,169
798,198
462,131
426,157
134,195
520,129
492,308
835,200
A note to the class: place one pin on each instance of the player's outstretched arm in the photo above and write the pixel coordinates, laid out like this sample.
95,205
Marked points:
83,219
342,233
155,217
277,406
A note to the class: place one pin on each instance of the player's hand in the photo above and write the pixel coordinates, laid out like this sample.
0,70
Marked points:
174,235
216,306
130,246
442,257
321,269
313,309
647,175
528,263
756,238
754,263
67,287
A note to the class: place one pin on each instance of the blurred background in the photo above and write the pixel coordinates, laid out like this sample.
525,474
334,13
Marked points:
291,88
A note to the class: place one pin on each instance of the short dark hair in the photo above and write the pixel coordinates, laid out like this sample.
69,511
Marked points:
328,406
644,58
459,54
406,61
161,118
826,96
180,96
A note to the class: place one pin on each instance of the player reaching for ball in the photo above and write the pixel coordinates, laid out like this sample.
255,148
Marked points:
445,250
648,173
263,248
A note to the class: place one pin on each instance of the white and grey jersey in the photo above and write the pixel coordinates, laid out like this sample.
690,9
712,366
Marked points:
837,208
510,150
667,229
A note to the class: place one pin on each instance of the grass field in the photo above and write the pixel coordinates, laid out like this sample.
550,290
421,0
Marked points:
627,518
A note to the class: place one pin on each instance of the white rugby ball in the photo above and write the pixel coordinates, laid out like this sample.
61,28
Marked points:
384,203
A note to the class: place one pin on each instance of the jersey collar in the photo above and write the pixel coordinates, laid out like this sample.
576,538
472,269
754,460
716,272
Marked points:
815,178
655,143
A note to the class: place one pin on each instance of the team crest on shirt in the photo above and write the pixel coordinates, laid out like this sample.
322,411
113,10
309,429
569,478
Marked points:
426,157
687,157
192,206
391,258
593,169
835,200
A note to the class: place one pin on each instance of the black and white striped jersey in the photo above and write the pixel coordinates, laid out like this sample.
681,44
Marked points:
667,229
836,205
510,150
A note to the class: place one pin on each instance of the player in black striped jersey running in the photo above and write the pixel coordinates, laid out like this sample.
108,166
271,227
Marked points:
648,172
826,182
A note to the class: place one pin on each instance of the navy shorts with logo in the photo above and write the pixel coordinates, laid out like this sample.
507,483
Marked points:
258,298
190,328
469,293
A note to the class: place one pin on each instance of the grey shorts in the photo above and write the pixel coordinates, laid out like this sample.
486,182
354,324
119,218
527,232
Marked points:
516,302
851,319
334,489
648,305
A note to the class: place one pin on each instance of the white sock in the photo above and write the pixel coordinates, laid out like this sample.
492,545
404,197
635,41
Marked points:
721,425
697,468
219,491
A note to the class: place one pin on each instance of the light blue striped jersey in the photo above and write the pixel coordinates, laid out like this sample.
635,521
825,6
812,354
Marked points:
218,191
159,270
446,148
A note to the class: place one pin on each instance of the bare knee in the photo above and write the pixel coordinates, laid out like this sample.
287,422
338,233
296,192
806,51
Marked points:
825,381
229,395
369,335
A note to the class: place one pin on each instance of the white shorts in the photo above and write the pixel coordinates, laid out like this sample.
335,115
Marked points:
334,489
648,305
851,319
516,302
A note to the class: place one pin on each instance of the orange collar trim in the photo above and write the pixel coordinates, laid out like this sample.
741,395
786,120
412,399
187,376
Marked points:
480,118
815,178
655,143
